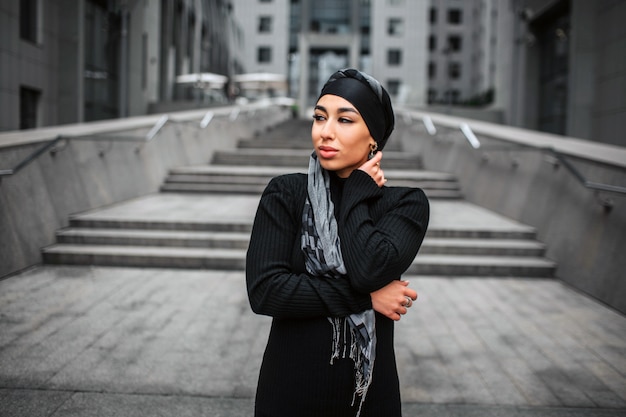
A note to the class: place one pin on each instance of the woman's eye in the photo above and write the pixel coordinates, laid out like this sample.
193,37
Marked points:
344,120
318,117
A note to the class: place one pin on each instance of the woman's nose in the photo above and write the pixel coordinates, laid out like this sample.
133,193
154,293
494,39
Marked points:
327,131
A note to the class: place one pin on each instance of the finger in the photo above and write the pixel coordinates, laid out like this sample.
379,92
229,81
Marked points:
410,293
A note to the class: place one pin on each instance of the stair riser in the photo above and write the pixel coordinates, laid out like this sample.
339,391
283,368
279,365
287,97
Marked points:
258,189
152,225
294,161
178,243
264,179
145,262
493,251
481,270
238,181
214,188
480,234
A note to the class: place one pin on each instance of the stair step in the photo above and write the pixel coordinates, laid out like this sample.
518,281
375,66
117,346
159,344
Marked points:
462,265
481,232
145,256
236,188
253,180
171,238
148,224
468,246
238,240
291,157
234,259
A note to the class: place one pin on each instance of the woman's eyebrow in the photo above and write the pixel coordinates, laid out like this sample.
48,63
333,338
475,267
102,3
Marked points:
347,110
339,110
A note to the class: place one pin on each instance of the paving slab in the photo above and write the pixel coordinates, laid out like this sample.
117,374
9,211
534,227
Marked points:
81,341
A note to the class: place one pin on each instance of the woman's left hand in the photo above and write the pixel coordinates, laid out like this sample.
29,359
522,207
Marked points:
394,299
373,169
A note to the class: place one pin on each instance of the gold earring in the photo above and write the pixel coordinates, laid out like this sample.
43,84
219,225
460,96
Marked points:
373,148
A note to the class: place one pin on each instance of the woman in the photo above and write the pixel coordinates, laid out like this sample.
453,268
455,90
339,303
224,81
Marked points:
325,258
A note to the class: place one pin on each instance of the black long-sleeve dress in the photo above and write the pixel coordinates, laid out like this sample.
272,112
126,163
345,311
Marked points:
381,230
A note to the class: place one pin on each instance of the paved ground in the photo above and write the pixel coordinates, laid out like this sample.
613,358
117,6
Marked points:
109,341
106,341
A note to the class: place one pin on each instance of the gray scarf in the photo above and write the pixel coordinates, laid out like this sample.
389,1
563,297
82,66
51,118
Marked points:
322,250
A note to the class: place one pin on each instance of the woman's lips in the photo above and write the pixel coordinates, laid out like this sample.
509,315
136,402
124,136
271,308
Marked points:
327,152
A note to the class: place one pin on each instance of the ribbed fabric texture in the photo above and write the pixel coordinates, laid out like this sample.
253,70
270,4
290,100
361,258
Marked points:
381,230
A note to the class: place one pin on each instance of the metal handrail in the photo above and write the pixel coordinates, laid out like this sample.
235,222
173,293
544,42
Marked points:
476,145
156,128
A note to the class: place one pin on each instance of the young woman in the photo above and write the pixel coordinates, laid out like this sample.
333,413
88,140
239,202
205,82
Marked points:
325,260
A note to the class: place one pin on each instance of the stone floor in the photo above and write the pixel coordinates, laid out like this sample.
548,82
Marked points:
109,341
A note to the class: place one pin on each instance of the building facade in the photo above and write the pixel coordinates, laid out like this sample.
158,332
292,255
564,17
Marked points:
308,40
461,43
550,65
70,61
566,67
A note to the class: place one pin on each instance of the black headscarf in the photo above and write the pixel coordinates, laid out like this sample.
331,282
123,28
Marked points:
369,98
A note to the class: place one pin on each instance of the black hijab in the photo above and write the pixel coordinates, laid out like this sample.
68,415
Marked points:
369,98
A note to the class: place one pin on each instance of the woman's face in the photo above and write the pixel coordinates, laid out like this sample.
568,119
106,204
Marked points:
340,136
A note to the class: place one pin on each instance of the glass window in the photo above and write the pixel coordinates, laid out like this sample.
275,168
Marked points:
432,95
393,87
29,103
432,42
265,24
28,20
395,27
394,57
433,15
264,54
454,43
432,70
454,70
455,16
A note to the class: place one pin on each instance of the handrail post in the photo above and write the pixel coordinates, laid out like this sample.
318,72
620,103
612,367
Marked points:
157,126
206,119
469,135
429,125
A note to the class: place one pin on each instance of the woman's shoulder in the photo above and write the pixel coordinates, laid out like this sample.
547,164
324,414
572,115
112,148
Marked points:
294,184
401,193
295,179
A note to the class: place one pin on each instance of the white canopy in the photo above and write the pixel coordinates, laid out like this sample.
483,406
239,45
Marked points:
261,80
203,79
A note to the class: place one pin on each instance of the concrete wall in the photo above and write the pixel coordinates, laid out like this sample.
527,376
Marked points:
585,239
93,171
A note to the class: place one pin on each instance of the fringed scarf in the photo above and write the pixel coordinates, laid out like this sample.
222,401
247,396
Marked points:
322,251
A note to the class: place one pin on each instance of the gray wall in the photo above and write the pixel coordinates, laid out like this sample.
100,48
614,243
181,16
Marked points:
92,171
586,241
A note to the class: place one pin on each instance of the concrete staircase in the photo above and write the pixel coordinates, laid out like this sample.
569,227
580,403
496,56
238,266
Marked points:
203,216
286,149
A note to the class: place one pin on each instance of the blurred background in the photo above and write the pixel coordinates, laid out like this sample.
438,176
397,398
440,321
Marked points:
556,66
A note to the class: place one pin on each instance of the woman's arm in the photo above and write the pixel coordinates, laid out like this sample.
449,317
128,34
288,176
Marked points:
381,230
275,288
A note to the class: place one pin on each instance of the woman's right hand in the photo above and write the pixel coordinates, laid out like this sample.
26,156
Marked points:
391,300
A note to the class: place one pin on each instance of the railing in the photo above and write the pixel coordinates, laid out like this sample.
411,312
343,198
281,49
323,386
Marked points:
51,145
559,157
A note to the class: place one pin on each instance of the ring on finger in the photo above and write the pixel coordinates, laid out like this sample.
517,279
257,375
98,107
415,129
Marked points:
409,301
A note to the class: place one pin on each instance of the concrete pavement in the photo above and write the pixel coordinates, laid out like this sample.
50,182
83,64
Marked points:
110,341
117,341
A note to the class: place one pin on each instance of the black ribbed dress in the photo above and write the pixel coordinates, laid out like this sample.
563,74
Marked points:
381,230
